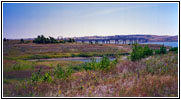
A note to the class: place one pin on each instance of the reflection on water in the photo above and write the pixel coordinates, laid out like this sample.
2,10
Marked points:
83,59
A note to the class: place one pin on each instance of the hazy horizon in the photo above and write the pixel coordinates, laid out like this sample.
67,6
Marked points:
28,20
83,36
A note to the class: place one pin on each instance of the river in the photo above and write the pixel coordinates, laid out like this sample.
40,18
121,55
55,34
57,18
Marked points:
172,44
83,59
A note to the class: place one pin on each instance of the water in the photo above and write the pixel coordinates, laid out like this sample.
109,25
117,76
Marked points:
82,59
172,44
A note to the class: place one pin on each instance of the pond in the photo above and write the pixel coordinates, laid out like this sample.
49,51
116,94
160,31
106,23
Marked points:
172,44
82,59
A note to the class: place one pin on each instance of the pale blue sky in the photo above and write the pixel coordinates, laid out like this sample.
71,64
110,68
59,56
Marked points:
27,20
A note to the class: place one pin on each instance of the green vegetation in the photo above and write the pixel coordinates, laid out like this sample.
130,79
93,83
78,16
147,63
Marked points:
156,76
138,52
62,73
47,77
21,65
174,49
21,40
37,77
70,40
43,40
162,50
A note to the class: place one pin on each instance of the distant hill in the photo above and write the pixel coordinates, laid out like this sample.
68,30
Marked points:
151,38
156,38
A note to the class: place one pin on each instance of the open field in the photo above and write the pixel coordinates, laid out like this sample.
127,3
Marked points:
154,76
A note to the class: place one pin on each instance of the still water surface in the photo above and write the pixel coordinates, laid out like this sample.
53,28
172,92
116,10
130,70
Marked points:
172,44
83,59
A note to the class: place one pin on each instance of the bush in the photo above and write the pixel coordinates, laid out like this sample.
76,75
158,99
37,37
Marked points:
147,51
62,73
47,77
162,50
83,55
93,64
157,51
174,49
138,52
36,76
104,63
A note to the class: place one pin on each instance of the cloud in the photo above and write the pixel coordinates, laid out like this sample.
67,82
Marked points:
108,11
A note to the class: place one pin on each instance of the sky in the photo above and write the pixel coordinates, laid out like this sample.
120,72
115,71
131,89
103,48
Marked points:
28,20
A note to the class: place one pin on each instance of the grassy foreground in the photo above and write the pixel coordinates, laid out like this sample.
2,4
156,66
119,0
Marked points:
152,76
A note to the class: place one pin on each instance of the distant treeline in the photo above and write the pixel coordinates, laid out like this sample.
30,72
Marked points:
43,40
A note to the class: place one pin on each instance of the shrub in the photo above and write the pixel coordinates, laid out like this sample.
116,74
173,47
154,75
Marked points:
17,67
47,77
147,51
104,63
36,76
93,64
62,73
162,50
157,51
83,55
114,62
174,49
87,66
138,52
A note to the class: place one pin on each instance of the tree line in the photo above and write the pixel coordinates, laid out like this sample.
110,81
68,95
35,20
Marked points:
43,40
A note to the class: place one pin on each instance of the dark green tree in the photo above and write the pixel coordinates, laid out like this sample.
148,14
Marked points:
44,40
163,49
21,40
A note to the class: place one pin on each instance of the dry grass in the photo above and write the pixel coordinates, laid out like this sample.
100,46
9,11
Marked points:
155,76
